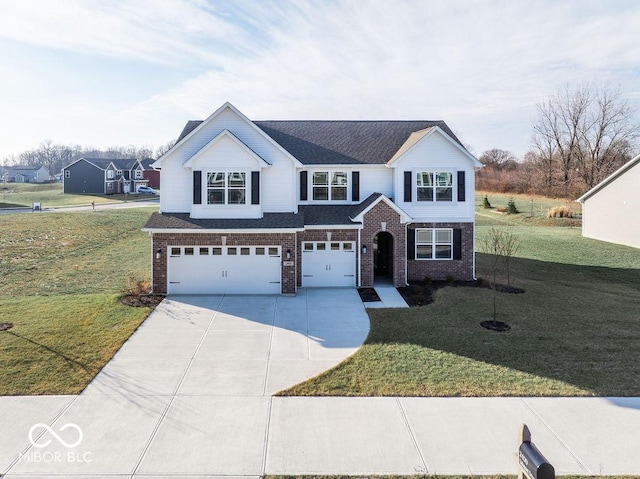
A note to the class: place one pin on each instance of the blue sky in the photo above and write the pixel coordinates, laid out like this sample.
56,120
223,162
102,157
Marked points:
120,72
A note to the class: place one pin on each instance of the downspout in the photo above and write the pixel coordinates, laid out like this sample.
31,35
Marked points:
359,246
406,261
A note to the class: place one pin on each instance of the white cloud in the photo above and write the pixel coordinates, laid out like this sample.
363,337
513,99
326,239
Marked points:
479,65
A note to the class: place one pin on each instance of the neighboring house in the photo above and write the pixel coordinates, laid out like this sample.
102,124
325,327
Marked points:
103,176
611,209
271,206
152,176
26,174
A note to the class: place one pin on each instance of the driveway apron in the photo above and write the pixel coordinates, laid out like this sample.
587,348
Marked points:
190,391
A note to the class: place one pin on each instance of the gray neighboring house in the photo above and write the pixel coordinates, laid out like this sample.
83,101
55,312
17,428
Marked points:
611,209
103,176
25,174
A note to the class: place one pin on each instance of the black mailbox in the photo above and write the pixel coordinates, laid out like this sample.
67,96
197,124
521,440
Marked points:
533,463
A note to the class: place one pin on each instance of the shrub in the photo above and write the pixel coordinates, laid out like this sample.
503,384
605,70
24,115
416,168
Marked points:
559,212
511,207
501,209
136,286
485,203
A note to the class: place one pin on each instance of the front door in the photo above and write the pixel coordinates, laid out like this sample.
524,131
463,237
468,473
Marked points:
383,255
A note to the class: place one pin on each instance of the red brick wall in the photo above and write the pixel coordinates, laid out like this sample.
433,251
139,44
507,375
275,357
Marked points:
161,242
441,269
321,235
372,226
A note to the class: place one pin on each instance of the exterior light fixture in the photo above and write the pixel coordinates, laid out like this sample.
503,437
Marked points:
159,254
364,249
288,254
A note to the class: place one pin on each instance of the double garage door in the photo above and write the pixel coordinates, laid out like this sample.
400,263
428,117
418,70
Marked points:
328,263
224,270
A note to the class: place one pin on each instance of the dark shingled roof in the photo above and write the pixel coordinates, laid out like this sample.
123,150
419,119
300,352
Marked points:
319,142
183,221
119,163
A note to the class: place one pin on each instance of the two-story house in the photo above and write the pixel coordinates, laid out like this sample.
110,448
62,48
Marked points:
104,176
271,206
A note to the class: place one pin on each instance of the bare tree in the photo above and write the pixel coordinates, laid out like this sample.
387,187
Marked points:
583,133
497,158
162,149
491,245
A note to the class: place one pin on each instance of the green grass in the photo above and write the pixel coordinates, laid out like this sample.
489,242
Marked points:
60,276
17,195
575,331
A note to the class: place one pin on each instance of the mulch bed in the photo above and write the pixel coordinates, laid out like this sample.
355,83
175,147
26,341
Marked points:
368,295
420,294
141,300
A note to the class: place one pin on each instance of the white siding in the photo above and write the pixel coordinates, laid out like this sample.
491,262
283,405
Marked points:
612,213
436,153
376,180
277,189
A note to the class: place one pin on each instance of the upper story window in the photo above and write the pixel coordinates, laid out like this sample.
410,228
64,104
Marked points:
226,188
434,243
138,174
329,185
119,173
434,186
110,174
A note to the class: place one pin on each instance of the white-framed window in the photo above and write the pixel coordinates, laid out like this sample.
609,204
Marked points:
329,185
434,186
138,175
434,243
226,188
119,173
109,186
67,174
110,174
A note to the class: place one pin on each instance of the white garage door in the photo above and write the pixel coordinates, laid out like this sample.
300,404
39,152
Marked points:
328,263
224,270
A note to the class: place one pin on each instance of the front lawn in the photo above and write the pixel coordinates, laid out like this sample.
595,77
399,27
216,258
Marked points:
574,332
60,278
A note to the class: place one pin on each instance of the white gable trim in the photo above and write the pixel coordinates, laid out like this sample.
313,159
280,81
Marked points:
392,163
86,161
620,171
226,134
404,217
158,162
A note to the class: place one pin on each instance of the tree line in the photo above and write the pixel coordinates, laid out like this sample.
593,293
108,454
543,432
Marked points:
56,156
580,136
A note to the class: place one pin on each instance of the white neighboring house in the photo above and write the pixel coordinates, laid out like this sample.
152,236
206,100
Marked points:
271,206
611,209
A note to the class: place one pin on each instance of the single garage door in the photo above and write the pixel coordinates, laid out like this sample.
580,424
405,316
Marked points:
224,270
328,263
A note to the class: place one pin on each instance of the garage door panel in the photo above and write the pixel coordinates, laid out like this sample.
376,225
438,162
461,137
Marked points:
328,264
224,270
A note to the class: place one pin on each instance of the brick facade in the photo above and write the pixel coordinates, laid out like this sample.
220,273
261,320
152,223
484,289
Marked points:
441,269
161,242
383,218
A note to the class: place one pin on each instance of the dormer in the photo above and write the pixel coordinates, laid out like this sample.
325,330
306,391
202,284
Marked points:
226,179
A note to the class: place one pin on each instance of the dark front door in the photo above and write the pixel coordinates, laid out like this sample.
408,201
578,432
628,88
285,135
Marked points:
383,254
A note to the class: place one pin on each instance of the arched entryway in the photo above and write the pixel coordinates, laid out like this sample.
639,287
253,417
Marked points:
383,256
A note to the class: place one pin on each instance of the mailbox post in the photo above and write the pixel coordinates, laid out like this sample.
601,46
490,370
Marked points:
533,464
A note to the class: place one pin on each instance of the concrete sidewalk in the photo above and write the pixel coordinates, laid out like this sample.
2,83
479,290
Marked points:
189,395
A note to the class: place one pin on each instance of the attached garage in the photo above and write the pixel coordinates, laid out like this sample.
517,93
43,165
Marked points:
224,270
328,264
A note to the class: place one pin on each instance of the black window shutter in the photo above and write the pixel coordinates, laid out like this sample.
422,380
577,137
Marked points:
355,186
255,187
197,187
457,243
411,243
461,194
407,187
303,186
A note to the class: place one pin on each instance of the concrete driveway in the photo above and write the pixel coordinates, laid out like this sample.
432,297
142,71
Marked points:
189,392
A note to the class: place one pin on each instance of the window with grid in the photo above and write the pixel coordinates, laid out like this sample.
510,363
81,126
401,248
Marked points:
226,188
329,185
434,186
434,243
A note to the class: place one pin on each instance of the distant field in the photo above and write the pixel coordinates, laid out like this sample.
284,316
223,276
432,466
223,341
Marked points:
13,195
60,277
